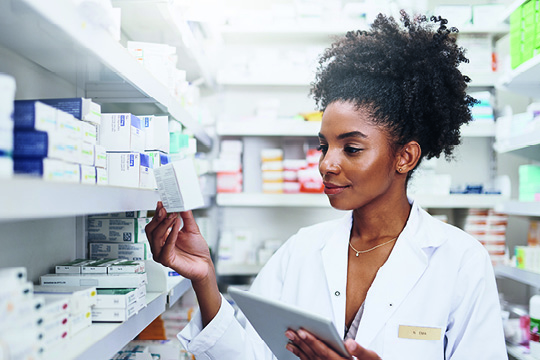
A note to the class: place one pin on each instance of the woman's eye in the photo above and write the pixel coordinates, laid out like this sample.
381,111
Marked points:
322,148
352,150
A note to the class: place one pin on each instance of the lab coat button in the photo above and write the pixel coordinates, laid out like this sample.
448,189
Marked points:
337,293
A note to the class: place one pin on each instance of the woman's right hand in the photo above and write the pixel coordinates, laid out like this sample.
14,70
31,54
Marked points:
183,250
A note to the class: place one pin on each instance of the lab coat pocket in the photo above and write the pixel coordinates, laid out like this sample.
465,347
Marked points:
413,341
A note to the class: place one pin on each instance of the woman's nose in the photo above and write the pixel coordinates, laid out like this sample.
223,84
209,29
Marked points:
329,163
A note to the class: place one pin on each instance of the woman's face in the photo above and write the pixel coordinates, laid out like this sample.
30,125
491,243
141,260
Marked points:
357,164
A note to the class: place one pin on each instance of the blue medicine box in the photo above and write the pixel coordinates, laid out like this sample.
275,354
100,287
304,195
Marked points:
34,115
164,159
30,144
80,108
28,166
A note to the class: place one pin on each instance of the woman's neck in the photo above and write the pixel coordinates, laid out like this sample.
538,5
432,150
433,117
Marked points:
375,223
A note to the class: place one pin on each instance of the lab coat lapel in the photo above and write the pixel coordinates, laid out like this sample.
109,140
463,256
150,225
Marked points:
394,280
334,257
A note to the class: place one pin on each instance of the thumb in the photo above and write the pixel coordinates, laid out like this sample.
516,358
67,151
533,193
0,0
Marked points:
190,225
360,352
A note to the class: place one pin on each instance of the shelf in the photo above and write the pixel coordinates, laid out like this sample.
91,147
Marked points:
523,79
177,286
103,340
60,39
229,79
519,352
521,208
522,276
320,200
293,127
514,5
526,145
160,22
280,127
238,269
305,32
30,198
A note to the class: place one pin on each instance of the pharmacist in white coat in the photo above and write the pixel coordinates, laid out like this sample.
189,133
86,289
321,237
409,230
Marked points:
397,283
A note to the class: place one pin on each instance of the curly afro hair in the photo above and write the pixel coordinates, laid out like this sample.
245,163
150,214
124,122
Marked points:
406,75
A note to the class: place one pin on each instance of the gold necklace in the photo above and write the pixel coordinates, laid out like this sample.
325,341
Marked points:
373,248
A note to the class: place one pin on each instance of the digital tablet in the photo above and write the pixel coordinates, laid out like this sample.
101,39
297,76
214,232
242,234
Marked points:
271,319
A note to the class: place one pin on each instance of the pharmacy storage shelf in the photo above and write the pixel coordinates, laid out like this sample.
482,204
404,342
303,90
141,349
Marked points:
526,144
320,200
294,127
161,22
60,39
522,276
177,286
521,208
305,32
30,198
103,340
224,269
523,79
226,78
519,352
512,6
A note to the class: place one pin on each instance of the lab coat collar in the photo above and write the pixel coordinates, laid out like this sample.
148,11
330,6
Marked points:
395,278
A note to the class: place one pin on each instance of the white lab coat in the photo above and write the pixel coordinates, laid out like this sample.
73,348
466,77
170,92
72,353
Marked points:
437,276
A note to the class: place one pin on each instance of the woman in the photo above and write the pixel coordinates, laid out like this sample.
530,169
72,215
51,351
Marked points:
397,283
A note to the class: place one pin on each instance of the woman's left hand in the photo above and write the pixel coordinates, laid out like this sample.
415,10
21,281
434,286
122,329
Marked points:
308,347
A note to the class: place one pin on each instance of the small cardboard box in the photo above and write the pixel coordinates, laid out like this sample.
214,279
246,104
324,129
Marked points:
121,132
124,168
178,186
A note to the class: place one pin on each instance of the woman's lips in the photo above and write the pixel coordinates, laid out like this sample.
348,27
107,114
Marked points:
332,189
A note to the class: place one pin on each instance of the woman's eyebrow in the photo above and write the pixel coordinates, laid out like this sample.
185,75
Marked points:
347,135
352,134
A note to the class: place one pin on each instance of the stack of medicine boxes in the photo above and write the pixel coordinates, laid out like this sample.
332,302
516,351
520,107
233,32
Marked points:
54,144
524,40
20,323
134,145
120,284
35,320
7,96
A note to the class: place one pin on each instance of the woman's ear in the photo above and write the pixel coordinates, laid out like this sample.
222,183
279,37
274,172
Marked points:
408,156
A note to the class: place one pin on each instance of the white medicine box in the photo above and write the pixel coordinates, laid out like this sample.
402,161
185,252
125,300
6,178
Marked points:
121,132
178,186
156,129
124,168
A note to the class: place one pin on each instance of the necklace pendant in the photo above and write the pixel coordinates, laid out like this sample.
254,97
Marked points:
356,254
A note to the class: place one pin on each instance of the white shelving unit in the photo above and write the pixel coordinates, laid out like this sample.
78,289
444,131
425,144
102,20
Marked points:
526,144
59,44
520,275
520,208
161,22
320,200
522,80
294,127
238,269
103,340
31,198
519,352
60,39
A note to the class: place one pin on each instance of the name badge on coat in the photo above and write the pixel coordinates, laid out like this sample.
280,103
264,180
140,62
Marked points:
419,333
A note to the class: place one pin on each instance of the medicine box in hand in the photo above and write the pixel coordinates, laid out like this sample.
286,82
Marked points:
178,186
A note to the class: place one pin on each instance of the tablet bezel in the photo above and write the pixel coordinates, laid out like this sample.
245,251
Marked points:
271,319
